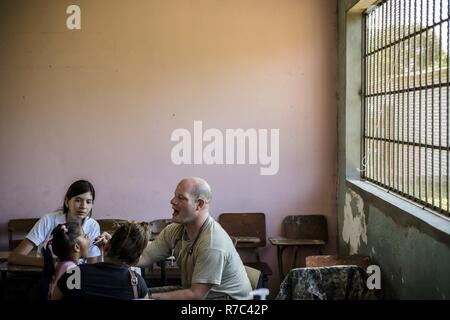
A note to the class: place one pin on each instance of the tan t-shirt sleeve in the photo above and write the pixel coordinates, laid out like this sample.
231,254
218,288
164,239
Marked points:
209,267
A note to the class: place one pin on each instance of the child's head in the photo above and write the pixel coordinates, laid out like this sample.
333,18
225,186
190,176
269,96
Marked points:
79,200
128,242
69,242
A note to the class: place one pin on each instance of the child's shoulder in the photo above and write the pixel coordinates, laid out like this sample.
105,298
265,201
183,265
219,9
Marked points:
66,265
62,268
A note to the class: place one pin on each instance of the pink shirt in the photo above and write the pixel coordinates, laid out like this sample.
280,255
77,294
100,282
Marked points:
61,268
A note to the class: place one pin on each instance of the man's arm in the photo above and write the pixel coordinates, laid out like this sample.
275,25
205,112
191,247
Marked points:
157,250
198,291
146,259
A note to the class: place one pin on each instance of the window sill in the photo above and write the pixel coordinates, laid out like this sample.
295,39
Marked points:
432,219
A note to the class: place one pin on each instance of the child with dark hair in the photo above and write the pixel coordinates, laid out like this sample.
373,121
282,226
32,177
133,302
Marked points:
69,244
114,278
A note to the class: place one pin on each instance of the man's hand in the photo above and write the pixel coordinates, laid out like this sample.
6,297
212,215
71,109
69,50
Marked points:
198,291
102,240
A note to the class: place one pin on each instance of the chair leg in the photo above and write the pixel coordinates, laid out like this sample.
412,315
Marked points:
163,273
280,262
295,257
265,280
257,256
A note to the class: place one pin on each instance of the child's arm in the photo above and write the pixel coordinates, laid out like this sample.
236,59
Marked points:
20,255
56,294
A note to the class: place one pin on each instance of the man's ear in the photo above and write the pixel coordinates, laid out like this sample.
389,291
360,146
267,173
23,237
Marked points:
201,204
76,247
66,202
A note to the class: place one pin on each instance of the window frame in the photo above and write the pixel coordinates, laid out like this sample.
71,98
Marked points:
384,44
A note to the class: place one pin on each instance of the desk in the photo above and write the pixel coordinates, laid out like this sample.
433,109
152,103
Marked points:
4,255
22,280
248,239
5,268
282,243
161,271
245,242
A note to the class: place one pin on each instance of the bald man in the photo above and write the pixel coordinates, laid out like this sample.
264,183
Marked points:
210,265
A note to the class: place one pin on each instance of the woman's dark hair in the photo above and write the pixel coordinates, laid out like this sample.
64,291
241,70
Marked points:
128,241
77,188
63,238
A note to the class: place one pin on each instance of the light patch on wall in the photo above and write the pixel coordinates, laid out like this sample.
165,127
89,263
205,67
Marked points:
355,228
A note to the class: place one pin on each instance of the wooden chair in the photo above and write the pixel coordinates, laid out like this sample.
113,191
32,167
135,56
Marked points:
248,232
18,230
110,225
157,226
300,231
254,276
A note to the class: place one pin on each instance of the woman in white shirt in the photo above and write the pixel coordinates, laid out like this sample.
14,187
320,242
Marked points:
77,207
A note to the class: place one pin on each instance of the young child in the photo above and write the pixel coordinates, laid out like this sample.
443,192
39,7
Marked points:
113,278
69,243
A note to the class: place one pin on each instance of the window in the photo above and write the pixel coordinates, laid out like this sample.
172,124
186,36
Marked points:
405,91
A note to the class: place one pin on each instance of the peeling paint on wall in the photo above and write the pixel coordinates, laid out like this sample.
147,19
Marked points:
355,228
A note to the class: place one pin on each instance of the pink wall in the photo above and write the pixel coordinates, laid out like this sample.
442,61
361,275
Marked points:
101,104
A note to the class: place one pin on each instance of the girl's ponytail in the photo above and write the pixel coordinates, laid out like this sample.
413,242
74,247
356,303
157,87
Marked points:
49,266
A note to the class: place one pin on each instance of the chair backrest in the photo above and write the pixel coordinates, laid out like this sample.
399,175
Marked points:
306,227
234,240
18,230
254,276
110,225
251,225
157,226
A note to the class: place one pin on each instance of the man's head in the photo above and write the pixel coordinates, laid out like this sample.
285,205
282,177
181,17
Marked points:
191,200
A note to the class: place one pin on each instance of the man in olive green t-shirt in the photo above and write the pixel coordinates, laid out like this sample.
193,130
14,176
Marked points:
210,265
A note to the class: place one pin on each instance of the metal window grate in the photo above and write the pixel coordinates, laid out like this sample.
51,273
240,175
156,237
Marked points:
405,87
